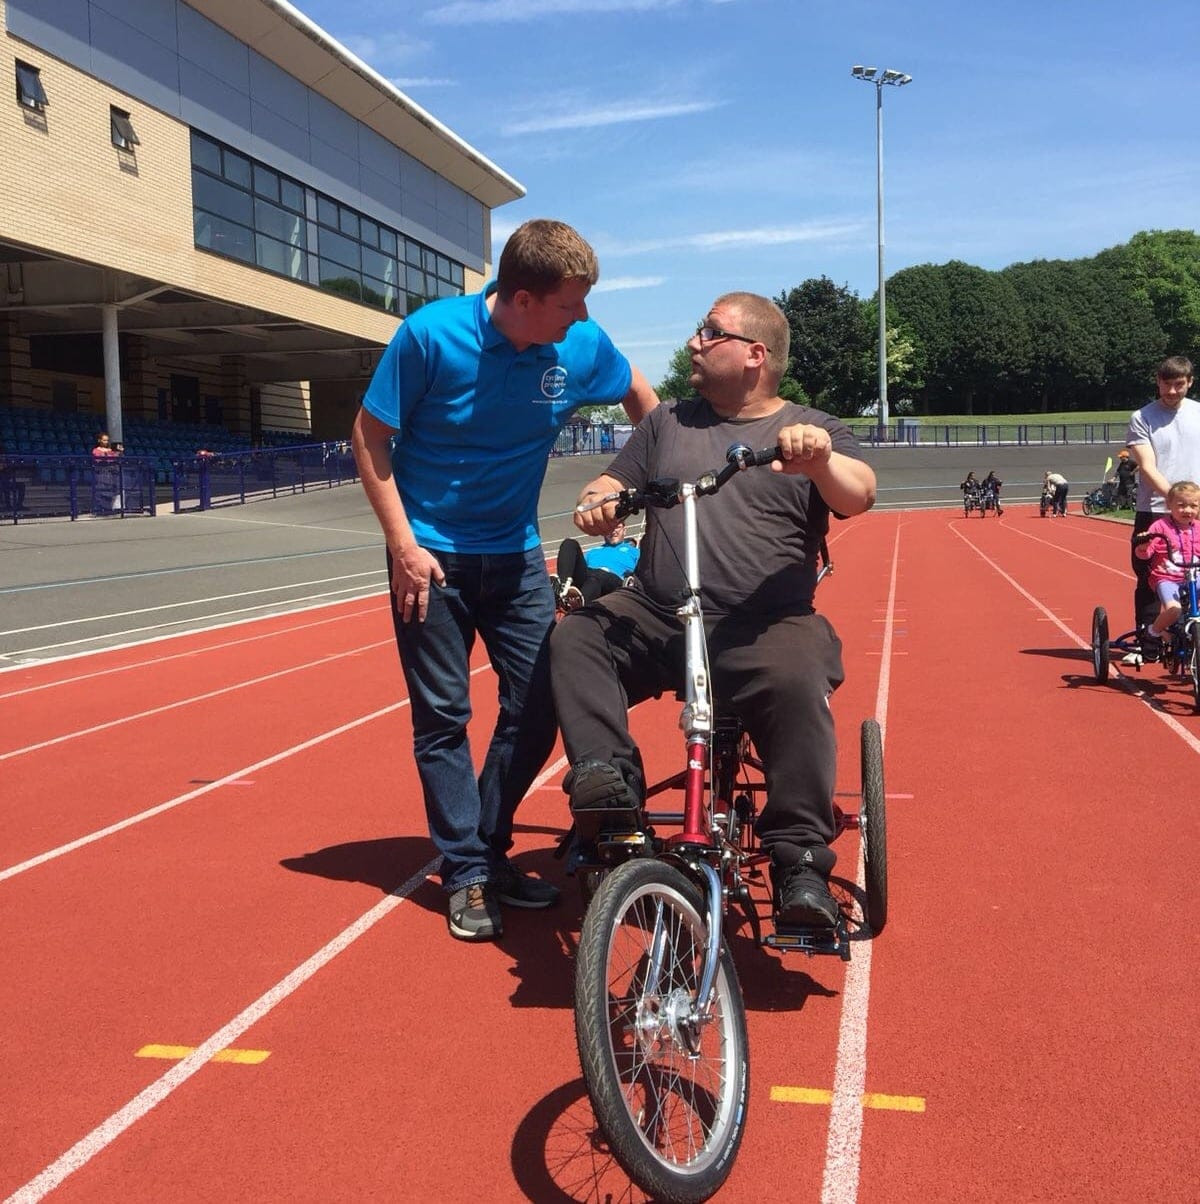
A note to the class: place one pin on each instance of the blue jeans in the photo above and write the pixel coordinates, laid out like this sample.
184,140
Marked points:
507,601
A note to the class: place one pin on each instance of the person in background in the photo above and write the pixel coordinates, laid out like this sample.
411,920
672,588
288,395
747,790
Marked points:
1059,484
452,442
582,577
1164,441
1126,478
1168,545
992,482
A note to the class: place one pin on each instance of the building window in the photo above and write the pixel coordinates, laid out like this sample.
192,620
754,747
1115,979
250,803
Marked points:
123,137
30,92
245,210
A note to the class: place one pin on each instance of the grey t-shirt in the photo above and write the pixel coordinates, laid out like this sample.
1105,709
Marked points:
759,535
1174,435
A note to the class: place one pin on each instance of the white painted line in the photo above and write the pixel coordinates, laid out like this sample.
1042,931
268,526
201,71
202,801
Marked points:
146,610
13,870
204,629
175,656
843,1146
183,702
1126,683
84,1150
275,608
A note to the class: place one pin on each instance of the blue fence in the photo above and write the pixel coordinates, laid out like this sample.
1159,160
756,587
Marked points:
45,487
234,478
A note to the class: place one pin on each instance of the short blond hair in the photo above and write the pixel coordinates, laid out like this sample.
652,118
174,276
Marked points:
540,255
764,322
1180,488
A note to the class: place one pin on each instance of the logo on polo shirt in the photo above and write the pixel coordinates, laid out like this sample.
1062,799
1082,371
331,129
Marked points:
554,383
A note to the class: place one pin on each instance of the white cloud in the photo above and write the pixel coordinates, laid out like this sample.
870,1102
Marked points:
470,12
424,82
617,114
733,240
383,51
621,283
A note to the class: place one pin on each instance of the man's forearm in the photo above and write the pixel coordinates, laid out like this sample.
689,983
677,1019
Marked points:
847,485
371,443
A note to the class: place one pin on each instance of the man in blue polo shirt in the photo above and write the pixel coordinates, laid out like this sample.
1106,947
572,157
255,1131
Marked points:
451,443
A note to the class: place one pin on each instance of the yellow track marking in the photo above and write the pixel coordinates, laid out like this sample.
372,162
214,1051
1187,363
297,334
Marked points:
818,1095
244,1057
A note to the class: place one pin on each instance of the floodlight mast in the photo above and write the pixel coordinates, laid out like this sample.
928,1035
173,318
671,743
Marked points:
896,79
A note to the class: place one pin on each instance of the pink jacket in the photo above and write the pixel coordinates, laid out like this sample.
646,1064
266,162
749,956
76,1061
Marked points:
1182,545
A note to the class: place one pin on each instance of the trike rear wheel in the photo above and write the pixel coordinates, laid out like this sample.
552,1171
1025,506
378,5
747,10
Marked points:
1100,644
872,823
669,1092
1194,668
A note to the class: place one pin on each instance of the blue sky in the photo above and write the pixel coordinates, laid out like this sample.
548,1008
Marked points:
709,145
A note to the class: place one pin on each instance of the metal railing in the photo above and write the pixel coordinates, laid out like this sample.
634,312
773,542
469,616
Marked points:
33,488
206,481
909,433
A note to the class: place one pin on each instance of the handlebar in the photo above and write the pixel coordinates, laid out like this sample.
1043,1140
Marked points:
665,492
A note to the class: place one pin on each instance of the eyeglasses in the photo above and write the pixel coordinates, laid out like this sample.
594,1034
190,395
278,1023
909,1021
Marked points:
711,334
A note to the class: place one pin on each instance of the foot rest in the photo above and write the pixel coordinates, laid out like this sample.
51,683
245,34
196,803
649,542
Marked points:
811,940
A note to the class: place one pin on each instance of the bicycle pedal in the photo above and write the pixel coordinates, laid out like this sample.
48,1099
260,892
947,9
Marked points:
792,939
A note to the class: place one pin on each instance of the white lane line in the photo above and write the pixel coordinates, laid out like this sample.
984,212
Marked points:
253,563
147,610
183,702
374,594
13,870
353,594
84,1150
1125,682
175,656
843,1146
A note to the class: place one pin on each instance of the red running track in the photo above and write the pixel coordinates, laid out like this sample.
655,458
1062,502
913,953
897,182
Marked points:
216,844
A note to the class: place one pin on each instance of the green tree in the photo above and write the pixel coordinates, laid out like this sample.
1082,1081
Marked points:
676,383
1067,340
832,345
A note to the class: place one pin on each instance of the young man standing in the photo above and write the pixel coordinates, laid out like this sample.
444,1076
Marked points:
1164,441
451,444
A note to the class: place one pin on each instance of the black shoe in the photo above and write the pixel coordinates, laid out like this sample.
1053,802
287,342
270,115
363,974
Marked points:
802,898
1151,649
516,889
601,799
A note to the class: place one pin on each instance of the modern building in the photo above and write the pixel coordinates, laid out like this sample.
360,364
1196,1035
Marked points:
212,211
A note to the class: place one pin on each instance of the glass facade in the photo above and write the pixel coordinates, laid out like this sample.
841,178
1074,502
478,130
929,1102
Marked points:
248,211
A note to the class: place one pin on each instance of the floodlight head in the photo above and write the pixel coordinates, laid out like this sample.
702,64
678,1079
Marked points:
890,75
856,69
905,79
869,72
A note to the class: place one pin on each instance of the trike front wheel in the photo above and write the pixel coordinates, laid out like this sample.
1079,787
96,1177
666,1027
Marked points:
669,1085
1100,644
872,823
1194,667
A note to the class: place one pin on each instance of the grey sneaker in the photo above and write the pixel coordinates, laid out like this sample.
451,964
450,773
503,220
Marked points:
474,915
523,890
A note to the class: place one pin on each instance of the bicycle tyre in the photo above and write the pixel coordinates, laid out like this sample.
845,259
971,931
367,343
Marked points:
1089,506
1194,669
872,824
1100,644
673,1118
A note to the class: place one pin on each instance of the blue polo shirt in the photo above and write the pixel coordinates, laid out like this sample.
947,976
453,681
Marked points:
476,419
